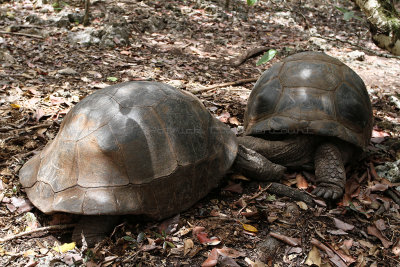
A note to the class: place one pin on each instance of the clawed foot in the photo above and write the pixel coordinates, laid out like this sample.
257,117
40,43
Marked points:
255,166
328,191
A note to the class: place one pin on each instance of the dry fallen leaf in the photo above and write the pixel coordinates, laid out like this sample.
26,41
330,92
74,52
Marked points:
203,239
187,246
224,117
302,205
198,229
372,230
170,225
65,247
74,259
234,121
337,232
380,224
230,252
379,187
348,243
19,204
29,253
227,262
396,249
255,264
234,188
314,257
301,182
212,259
377,133
342,225
249,228
15,106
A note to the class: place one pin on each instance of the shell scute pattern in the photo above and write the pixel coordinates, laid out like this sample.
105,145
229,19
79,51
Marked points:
134,148
311,92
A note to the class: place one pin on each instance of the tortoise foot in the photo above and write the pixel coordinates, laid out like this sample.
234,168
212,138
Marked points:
255,166
94,229
328,191
329,172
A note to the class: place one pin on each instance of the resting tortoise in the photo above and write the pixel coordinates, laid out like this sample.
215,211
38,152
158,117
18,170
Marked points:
141,148
310,111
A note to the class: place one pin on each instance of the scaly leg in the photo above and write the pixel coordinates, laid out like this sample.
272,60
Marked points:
294,151
255,166
329,172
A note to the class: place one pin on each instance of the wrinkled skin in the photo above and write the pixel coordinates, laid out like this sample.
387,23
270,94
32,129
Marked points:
327,156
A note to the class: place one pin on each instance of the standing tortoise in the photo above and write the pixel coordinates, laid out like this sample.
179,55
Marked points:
310,110
141,148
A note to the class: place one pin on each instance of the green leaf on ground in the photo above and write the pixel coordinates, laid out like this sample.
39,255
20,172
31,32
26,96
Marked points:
267,57
251,2
112,79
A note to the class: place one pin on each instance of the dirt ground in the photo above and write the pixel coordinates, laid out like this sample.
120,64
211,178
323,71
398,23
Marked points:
192,45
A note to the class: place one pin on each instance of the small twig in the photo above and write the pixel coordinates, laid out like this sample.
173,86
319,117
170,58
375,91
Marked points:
20,156
254,197
211,87
251,52
27,26
27,129
44,125
41,229
260,192
22,34
16,132
291,241
358,46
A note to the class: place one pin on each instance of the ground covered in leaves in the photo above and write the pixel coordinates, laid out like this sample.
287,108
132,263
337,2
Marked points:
49,61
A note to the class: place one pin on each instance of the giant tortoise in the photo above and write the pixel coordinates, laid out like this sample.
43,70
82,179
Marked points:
141,148
310,111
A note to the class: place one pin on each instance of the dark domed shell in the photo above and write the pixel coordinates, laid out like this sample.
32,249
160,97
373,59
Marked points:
310,93
133,148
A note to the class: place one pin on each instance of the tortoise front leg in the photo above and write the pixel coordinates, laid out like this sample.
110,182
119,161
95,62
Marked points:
95,228
255,166
329,172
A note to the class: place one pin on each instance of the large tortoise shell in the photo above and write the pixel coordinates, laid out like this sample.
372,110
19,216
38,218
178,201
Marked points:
310,93
141,148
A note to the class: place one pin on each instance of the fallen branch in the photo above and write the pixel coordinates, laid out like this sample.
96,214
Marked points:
23,34
248,54
211,87
41,229
358,46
